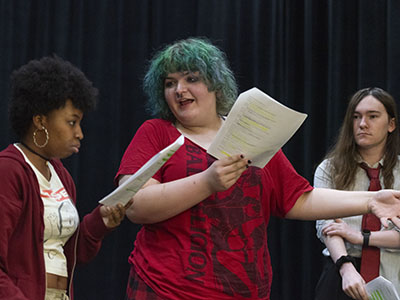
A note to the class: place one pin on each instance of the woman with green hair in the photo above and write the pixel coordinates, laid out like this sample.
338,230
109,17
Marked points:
191,55
204,233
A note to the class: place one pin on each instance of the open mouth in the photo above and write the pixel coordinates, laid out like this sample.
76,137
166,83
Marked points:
185,102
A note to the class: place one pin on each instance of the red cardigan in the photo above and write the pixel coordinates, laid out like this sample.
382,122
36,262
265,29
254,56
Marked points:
22,267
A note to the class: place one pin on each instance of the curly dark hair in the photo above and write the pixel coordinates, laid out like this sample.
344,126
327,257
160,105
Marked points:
43,85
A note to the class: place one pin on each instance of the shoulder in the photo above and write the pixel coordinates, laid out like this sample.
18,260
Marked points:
159,122
15,174
155,132
396,174
278,161
11,152
157,125
280,169
397,165
323,176
324,165
278,157
12,161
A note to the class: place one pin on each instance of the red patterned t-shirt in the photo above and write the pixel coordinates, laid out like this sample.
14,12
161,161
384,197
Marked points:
218,248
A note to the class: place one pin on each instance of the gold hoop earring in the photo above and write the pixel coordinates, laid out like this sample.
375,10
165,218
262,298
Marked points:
47,137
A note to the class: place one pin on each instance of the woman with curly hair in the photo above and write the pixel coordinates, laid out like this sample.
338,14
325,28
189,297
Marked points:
205,220
41,236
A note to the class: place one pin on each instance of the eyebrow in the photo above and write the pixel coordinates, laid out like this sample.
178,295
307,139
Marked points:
368,112
76,115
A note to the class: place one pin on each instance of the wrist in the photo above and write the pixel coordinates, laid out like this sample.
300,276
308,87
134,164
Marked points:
347,268
344,260
206,181
366,235
369,202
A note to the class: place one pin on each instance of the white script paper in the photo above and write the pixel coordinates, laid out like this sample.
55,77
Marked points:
129,188
257,126
381,289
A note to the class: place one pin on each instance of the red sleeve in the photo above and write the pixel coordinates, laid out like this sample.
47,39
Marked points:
91,233
150,138
287,184
91,229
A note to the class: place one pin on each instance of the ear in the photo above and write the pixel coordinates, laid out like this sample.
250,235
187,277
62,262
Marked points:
39,121
392,125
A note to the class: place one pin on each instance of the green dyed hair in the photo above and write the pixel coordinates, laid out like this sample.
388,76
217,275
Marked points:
193,55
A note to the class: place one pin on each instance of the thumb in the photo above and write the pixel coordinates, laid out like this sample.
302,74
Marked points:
338,220
104,210
384,222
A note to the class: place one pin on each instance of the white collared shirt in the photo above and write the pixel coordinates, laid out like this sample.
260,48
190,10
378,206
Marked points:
390,258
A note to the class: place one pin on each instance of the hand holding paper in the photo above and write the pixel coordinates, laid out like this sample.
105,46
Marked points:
257,126
129,188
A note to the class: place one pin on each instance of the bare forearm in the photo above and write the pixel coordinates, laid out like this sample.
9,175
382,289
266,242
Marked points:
384,239
329,204
159,202
336,247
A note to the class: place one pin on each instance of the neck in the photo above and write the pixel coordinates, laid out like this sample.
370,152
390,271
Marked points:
200,129
371,156
201,135
34,152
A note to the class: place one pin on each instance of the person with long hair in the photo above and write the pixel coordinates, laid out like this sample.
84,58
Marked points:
368,137
204,233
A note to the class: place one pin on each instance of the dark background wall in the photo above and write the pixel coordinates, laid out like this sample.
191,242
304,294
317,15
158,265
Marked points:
310,55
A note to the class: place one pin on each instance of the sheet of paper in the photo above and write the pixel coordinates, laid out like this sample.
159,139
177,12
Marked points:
381,289
129,188
257,126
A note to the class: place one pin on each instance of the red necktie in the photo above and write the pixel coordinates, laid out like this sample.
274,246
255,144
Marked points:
370,256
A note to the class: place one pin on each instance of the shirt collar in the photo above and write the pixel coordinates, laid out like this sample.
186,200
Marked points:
360,160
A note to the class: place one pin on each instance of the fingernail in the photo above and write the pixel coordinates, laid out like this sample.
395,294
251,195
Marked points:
249,161
241,156
247,166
